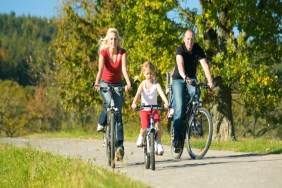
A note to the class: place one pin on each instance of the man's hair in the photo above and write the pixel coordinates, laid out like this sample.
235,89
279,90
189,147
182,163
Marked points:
190,30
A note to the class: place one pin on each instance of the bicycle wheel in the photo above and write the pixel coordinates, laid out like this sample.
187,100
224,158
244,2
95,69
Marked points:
108,145
152,150
146,153
112,133
199,134
175,155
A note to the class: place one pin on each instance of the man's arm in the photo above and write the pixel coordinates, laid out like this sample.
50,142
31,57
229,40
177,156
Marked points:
205,66
180,65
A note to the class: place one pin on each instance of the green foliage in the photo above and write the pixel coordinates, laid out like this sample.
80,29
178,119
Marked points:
246,61
24,48
147,36
45,111
13,113
26,167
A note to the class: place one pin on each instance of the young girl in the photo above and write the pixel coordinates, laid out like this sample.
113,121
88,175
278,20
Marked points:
149,89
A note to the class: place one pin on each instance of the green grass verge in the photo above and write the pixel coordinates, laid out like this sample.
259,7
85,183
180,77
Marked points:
249,145
27,167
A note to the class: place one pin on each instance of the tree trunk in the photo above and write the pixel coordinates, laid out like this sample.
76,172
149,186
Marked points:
222,114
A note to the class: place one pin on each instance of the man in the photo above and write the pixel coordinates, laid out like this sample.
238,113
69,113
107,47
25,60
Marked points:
188,55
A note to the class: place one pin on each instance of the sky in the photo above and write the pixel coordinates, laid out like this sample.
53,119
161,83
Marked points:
49,8
38,8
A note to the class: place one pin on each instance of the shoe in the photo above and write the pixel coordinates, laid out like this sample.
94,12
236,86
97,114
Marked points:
119,154
177,146
100,128
139,142
160,150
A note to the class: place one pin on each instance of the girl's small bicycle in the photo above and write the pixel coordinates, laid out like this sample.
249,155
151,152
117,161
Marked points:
150,138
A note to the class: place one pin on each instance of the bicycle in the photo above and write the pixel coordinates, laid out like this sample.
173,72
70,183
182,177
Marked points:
111,126
150,138
198,127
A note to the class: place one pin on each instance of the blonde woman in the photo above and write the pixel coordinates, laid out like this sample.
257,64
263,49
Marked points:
148,90
112,65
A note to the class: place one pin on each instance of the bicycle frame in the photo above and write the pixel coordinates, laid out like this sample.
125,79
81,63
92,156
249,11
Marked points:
197,121
150,138
111,128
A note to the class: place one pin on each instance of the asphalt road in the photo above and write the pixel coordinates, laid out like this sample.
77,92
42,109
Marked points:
217,169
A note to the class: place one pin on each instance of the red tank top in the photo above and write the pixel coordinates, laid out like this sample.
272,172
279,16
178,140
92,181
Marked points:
112,71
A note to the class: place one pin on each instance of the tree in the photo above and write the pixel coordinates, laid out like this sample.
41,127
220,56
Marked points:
13,114
146,37
243,62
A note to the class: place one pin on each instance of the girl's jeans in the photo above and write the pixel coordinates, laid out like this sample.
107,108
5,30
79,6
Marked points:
118,100
179,98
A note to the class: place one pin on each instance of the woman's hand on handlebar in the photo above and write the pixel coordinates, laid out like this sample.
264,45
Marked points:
97,87
128,87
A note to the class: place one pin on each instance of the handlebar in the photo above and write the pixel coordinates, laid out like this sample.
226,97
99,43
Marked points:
158,107
199,84
111,88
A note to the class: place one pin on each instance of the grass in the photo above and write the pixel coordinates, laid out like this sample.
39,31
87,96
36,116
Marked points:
249,145
27,167
258,145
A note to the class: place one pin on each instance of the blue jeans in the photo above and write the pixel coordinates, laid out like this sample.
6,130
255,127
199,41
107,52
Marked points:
118,100
180,97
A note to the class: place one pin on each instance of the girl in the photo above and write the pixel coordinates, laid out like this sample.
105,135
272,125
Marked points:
149,89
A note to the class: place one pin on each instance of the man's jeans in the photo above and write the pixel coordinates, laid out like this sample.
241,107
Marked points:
118,99
180,97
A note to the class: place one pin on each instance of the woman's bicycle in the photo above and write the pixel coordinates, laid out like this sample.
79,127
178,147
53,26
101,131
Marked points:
150,138
198,127
111,138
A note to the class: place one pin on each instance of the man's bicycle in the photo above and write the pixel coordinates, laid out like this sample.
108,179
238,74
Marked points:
150,138
198,127
111,138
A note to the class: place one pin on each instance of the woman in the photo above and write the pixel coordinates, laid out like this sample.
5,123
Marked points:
112,64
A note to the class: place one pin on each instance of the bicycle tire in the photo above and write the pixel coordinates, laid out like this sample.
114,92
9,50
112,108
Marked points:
152,150
146,153
112,138
108,146
173,153
199,135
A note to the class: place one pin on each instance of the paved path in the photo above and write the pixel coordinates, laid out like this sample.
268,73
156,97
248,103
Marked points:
217,169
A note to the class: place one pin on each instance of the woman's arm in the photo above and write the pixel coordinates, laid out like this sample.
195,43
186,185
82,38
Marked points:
100,71
124,72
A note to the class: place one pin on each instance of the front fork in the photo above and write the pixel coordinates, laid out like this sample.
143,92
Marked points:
149,131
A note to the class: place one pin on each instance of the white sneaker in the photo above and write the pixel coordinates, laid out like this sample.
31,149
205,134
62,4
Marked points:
100,128
160,149
139,142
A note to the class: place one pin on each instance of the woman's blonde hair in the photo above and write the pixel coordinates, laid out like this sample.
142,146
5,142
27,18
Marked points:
104,41
148,65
